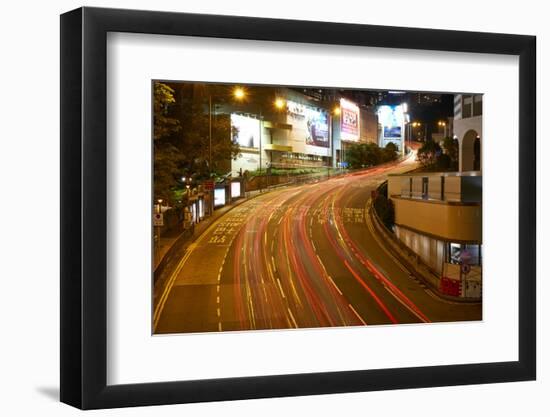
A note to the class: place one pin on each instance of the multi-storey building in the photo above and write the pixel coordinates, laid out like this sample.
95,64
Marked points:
467,129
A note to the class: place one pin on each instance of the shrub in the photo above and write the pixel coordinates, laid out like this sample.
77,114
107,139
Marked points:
385,210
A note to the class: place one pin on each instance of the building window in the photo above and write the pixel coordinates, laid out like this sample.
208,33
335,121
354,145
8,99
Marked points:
466,106
458,253
478,105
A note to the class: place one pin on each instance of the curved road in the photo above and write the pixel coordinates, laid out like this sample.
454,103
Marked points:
299,257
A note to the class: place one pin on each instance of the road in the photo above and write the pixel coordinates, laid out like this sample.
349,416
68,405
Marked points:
299,257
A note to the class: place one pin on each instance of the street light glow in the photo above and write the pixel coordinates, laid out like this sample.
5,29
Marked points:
279,103
337,111
239,93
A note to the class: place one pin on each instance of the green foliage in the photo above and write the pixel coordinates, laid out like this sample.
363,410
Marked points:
163,99
166,155
428,154
443,162
434,158
385,209
184,144
364,155
450,147
391,147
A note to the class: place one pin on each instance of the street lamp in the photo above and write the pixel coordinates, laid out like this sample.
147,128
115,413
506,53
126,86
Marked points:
239,93
279,103
444,126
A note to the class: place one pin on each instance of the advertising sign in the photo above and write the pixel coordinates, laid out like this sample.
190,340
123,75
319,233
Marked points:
235,189
392,119
392,132
309,123
349,120
219,197
245,131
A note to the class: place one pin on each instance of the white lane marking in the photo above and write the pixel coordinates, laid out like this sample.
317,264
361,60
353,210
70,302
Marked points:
357,314
292,318
335,286
281,288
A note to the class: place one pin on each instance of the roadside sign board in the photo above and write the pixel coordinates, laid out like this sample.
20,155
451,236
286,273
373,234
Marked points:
158,219
209,185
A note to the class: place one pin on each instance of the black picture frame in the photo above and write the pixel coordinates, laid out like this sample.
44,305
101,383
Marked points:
84,207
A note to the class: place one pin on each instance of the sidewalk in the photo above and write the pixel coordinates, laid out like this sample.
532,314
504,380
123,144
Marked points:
180,237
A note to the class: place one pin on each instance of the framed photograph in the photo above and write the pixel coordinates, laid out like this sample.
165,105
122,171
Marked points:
257,208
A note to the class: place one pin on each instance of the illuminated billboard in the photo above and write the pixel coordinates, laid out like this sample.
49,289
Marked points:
219,197
245,131
235,189
309,124
392,132
349,120
392,119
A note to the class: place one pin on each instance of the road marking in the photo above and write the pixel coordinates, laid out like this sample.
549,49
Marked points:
292,318
219,326
333,283
169,284
218,311
357,314
280,288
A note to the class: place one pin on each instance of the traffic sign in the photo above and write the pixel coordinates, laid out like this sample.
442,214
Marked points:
158,219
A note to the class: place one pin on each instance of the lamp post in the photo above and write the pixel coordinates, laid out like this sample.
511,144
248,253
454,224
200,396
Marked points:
240,94
444,126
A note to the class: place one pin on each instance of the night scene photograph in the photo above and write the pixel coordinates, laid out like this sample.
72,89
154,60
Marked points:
284,207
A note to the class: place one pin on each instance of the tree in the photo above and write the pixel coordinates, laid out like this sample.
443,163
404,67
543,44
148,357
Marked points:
450,147
166,158
163,99
363,155
203,155
189,140
385,209
389,153
390,146
428,153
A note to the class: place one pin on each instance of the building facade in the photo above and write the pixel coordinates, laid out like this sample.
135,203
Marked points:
467,129
438,217
299,130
